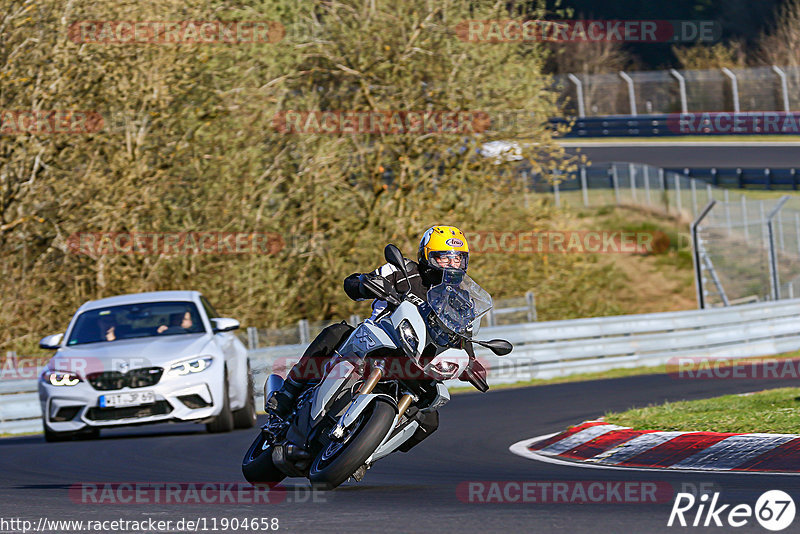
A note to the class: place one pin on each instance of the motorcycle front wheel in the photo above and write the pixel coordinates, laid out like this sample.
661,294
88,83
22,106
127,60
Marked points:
340,459
257,465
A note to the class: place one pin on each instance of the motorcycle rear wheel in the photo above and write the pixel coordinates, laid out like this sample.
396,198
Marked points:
337,462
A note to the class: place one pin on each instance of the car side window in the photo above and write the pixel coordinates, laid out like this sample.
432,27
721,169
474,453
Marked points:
210,311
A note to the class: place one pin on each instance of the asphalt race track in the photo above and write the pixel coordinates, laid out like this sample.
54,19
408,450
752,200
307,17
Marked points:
414,492
664,154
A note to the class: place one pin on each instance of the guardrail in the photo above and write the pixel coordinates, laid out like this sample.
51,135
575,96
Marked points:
551,349
744,178
619,126
663,126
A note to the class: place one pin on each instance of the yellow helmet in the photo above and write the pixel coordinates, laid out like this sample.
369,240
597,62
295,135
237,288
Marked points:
444,247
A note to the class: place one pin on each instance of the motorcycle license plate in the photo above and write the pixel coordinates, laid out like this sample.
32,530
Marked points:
136,398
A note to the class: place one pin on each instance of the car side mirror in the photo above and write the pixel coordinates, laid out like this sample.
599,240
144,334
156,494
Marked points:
395,257
51,342
224,324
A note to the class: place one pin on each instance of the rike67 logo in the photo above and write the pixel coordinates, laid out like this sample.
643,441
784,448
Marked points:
774,510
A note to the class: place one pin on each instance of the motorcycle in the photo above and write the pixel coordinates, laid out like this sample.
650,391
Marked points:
379,385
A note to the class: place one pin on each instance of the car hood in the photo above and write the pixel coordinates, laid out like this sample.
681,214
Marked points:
125,354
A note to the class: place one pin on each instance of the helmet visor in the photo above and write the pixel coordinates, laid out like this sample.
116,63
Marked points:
449,259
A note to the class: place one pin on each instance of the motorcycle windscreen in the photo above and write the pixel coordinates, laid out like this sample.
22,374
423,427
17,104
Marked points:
459,302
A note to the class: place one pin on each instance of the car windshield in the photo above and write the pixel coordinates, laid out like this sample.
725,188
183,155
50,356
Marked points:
459,302
149,319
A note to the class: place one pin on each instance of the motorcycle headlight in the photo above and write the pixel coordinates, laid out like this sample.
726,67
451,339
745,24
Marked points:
61,378
442,370
407,336
196,365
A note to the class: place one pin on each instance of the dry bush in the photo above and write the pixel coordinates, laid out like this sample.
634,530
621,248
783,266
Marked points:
192,147
781,45
589,58
705,57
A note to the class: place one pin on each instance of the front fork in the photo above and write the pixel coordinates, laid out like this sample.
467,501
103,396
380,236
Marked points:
366,389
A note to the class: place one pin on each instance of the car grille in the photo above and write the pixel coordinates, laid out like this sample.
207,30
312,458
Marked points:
135,378
129,412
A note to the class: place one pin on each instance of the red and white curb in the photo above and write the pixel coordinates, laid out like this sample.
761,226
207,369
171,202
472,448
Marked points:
603,445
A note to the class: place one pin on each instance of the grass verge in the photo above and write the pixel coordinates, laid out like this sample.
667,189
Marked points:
630,371
772,411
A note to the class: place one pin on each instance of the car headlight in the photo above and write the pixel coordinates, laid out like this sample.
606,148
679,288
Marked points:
407,336
191,366
61,378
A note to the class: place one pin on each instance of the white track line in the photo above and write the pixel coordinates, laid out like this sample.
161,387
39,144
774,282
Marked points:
520,448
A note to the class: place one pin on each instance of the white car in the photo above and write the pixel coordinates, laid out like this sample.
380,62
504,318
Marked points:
146,358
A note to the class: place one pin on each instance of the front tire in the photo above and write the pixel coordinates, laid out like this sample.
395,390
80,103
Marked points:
246,417
224,421
257,465
333,465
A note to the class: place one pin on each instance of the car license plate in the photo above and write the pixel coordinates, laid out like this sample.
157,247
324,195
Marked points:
127,399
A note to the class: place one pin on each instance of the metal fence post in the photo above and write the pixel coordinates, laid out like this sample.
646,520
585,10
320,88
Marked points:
632,175
710,192
631,92
797,230
745,221
662,179
698,270
302,328
682,88
774,275
693,183
784,88
252,337
647,184
727,212
584,187
355,320
615,180
579,93
678,203
734,88
530,298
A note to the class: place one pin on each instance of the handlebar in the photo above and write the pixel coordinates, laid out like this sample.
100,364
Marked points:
381,290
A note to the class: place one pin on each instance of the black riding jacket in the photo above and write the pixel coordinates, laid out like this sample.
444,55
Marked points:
421,279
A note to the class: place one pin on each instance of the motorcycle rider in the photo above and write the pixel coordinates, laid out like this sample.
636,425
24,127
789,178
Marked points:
441,247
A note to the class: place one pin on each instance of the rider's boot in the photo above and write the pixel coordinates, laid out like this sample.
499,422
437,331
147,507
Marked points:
280,403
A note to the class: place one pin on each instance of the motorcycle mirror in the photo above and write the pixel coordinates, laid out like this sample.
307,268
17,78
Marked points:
501,347
395,257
